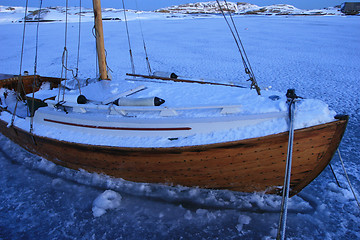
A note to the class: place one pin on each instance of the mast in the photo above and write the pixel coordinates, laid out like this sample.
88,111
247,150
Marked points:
100,46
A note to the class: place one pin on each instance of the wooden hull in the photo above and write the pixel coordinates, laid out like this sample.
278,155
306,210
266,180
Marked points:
249,165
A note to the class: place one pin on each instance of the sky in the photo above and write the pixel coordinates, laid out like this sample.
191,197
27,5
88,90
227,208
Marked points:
156,4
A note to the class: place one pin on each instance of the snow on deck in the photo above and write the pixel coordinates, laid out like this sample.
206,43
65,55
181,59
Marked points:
309,112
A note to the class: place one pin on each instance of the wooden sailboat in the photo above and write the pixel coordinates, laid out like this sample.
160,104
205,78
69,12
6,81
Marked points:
247,165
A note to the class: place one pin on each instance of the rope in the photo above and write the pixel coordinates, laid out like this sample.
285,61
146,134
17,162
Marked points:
128,36
244,58
20,83
96,57
143,39
347,177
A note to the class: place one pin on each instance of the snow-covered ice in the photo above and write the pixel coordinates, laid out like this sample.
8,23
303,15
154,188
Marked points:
318,56
309,112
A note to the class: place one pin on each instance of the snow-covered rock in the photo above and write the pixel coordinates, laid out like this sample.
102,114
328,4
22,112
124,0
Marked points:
207,7
244,8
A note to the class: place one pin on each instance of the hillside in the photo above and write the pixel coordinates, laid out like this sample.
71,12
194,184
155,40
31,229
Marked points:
245,9
16,14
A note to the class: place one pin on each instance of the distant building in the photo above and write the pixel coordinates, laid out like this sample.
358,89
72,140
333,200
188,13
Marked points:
350,8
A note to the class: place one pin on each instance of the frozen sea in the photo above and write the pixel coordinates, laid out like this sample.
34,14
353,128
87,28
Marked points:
318,56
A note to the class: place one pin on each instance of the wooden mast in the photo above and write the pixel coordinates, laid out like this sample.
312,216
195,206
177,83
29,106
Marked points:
100,47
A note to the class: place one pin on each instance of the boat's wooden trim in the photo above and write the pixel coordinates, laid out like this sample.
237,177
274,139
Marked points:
249,165
119,128
29,84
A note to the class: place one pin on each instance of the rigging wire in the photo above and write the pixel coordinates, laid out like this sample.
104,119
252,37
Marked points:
347,177
233,34
79,38
64,59
143,39
23,38
128,36
244,58
241,44
64,56
20,83
35,70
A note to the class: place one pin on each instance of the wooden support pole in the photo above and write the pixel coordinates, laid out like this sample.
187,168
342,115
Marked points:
100,46
182,80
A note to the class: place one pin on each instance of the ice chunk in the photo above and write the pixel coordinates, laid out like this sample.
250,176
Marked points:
188,215
107,200
243,220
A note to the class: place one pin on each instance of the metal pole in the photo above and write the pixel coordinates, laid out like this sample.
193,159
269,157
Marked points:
284,203
332,170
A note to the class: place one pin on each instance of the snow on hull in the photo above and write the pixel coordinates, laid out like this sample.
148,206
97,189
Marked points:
248,165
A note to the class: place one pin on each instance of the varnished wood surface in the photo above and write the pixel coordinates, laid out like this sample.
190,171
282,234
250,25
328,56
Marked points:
256,164
100,45
28,82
